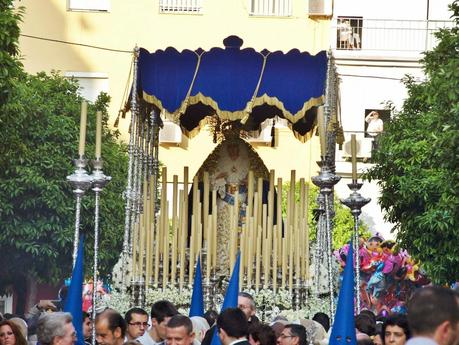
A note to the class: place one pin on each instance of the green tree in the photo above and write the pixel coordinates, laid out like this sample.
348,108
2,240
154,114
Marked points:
343,220
417,163
10,66
40,126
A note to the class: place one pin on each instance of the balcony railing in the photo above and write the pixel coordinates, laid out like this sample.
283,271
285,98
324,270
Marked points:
357,33
180,6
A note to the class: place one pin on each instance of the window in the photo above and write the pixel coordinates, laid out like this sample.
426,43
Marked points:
89,5
91,83
275,8
6,304
180,6
349,33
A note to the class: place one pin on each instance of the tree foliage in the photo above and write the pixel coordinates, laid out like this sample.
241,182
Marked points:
343,219
10,66
417,163
40,126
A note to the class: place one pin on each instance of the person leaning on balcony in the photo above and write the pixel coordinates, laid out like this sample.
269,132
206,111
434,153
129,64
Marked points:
375,128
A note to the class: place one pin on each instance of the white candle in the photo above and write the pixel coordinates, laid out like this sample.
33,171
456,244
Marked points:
84,114
98,134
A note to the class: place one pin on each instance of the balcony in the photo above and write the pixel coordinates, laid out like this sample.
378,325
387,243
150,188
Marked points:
361,34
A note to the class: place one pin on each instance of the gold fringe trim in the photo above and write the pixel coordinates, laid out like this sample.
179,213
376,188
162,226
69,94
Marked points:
293,118
236,115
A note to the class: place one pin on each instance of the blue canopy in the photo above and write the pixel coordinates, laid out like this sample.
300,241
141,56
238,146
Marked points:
234,84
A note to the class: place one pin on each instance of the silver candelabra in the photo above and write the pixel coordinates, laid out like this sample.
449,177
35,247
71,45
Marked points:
355,201
81,182
325,181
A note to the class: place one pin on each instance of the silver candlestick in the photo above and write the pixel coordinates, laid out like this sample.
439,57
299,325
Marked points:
99,180
81,182
355,201
325,181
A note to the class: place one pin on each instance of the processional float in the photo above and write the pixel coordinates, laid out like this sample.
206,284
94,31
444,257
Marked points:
236,90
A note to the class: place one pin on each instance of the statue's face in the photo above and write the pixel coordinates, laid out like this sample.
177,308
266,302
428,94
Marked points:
233,151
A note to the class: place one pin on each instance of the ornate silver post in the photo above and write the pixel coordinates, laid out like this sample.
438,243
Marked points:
297,294
325,181
141,292
145,137
99,181
355,201
206,286
128,194
319,253
81,182
156,123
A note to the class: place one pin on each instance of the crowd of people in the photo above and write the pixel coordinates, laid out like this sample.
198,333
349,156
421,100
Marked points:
432,318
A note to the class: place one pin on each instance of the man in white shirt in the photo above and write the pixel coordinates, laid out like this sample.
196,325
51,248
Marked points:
161,312
374,128
433,316
179,331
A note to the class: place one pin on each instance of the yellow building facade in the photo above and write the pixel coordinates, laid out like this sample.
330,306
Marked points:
93,41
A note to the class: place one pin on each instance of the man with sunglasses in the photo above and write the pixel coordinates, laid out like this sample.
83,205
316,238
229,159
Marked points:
137,323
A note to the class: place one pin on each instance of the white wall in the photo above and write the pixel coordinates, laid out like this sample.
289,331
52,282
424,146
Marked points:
367,87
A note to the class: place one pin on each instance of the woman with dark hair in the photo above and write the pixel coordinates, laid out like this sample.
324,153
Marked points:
395,330
10,334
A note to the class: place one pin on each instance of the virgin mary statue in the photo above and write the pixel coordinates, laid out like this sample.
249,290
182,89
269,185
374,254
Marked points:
228,166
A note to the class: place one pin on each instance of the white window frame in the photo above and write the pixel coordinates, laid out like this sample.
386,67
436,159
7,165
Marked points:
181,6
270,8
89,5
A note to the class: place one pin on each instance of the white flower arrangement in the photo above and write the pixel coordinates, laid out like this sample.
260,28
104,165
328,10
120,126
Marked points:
279,303
269,303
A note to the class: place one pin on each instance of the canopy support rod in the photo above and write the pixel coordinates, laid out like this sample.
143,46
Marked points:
129,193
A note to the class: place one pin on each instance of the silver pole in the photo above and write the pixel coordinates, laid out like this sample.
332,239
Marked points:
128,194
99,182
